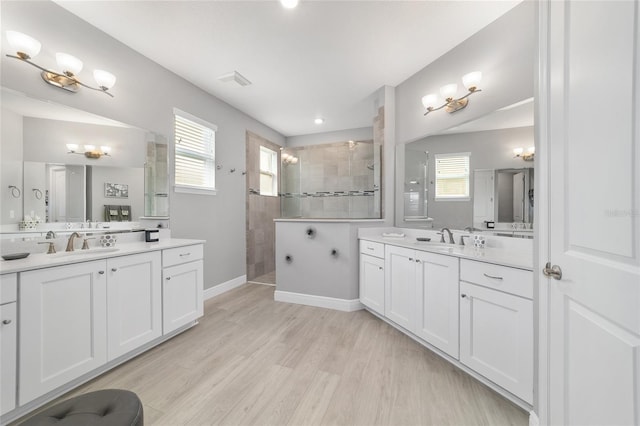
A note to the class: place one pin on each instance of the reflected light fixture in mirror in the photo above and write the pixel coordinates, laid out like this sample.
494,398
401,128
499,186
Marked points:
90,151
27,48
449,91
289,4
526,156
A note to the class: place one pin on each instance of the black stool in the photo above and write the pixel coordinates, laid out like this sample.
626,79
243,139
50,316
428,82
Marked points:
109,407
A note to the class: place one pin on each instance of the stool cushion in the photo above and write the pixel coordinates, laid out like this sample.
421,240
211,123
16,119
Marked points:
112,407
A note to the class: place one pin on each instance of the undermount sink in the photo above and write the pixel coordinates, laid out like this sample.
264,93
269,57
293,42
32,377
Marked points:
435,244
80,252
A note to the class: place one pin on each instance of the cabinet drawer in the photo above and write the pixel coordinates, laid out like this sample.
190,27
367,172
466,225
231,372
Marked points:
178,255
8,288
510,280
372,249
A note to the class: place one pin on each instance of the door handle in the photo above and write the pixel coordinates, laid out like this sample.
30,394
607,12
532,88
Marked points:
554,271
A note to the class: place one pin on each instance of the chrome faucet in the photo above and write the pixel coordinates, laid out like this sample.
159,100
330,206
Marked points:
451,240
70,242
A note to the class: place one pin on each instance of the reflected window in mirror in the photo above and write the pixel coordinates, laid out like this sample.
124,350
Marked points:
452,176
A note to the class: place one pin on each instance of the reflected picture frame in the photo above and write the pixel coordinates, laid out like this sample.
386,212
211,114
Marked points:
116,190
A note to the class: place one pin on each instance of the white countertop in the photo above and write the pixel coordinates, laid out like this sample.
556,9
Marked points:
43,260
500,256
330,220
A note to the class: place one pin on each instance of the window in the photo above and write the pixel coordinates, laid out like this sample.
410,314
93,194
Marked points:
268,172
195,154
452,176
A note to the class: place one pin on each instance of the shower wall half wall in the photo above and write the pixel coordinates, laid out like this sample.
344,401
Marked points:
331,181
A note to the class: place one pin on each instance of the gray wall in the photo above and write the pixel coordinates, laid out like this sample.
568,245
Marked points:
145,95
504,51
491,149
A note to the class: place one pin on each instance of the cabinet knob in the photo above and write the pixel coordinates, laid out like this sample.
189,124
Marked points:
6,322
168,278
411,259
463,295
114,269
380,267
184,254
101,272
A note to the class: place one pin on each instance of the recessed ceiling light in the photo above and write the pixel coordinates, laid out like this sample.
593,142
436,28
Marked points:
289,4
319,120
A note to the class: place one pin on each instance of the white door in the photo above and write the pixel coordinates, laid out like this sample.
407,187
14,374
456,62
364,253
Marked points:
518,197
58,195
134,302
63,329
182,289
437,301
399,283
372,283
592,133
483,195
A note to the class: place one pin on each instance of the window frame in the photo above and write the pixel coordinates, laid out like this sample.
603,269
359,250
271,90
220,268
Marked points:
273,172
193,189
466,175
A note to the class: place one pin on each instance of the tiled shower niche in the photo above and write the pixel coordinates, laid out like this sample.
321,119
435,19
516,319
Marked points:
331,181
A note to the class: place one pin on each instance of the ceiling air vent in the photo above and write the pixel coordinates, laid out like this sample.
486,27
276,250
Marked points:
234,77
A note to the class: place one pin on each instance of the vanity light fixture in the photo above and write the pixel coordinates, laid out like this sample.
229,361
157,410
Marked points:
289,4
27,48
448,93
319,120
90,151
288,158
526,156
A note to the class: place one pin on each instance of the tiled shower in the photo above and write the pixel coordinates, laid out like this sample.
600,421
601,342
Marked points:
331,181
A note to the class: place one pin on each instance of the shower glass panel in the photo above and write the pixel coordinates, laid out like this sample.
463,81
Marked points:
331,181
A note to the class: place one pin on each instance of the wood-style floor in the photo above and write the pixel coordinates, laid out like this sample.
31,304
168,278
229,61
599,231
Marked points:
253,361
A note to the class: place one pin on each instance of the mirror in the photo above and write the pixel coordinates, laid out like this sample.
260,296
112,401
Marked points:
57,185
494,174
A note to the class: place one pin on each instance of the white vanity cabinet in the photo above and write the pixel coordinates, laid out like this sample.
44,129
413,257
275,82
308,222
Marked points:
63,325
134,302
421,295
8,341
496,325
372,275
182,286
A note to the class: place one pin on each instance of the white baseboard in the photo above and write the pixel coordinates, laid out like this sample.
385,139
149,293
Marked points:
224,287
318,301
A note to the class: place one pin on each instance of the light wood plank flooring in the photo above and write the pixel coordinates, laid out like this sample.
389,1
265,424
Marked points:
253,361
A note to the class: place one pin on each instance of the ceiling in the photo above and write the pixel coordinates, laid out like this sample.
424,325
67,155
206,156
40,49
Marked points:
321,59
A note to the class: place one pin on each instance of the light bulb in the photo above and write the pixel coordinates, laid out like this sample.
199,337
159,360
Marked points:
518,151
294,160
449,91
289,4
319,120
22,43
68,63
105,79
531,150
72,147
430,100
472,80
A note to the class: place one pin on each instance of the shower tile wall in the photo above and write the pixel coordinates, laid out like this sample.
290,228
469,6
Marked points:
330,168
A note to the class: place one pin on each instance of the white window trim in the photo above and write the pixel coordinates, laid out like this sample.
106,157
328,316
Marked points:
188,189
449,198
274,159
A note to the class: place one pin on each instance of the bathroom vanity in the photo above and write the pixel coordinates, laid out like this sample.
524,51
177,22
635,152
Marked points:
83,312
471,306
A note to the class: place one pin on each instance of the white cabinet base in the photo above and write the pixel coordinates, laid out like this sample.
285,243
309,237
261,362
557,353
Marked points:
182,287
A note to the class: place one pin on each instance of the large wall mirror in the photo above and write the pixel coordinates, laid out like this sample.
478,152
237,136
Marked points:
499,184
41,178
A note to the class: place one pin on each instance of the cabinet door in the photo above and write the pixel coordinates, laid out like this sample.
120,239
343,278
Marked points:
437,301
496,338
8,352
182,289
134,301
372,283
399,283
63,329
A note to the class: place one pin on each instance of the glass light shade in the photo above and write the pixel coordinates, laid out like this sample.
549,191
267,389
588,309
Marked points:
294,160
531,150
289,4
518,151
20,42
89,148
319,120
104,79
105,149
73,147
68,63
430,100
472,79
449,90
